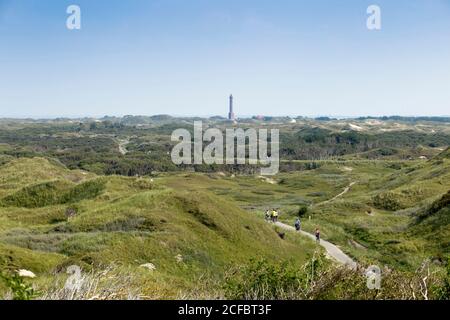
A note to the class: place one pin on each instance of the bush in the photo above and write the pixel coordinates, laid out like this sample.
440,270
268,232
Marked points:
303,210
86,190
442,291
320,280
40,195
261,279
19,288
53,193
388,201
443,202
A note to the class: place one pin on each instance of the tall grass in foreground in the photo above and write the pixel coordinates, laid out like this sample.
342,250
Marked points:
320,280
106,284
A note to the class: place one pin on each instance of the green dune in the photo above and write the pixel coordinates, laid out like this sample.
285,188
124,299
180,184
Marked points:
61,217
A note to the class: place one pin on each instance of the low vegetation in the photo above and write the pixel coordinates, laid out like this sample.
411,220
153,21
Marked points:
319,280
104,195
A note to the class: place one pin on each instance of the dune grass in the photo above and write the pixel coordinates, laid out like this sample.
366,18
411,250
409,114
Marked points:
127,222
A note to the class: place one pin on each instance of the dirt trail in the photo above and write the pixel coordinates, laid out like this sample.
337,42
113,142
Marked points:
347,189
332,250
122,146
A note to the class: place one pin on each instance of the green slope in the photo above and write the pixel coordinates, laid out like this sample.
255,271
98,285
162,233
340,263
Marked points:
127,222
375,221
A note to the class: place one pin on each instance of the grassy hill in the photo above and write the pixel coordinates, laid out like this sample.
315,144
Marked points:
52,217
377,188
433,225
375,221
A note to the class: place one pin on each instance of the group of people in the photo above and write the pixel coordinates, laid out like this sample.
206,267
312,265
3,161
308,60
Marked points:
272,215
298,226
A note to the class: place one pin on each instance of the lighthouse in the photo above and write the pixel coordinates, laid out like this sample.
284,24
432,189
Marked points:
231,113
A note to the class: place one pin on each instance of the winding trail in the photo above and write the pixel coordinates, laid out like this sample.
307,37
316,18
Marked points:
347,189
332,250
123,146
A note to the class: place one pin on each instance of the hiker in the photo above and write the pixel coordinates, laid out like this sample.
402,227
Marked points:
297,224
317,235
274,216
267,215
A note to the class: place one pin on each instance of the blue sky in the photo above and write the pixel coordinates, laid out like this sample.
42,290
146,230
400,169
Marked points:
184,57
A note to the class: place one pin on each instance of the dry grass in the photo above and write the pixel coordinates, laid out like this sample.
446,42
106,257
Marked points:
108,284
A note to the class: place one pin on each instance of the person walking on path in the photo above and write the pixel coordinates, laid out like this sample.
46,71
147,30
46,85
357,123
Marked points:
274,216
267,215
297,224
317,235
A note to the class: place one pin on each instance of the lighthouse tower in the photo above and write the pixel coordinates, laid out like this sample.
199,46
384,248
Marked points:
231,113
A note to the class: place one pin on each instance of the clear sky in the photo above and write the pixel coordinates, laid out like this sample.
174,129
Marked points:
184,57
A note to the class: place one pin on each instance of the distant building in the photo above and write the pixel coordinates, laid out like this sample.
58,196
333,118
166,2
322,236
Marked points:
231,115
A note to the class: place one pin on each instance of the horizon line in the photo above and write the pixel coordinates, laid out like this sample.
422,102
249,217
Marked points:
337,117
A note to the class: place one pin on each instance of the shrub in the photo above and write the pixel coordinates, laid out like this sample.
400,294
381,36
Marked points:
387,201
36,196
19,288
86,190
442,291
303,210
443,202
53,193
321,280
261,279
